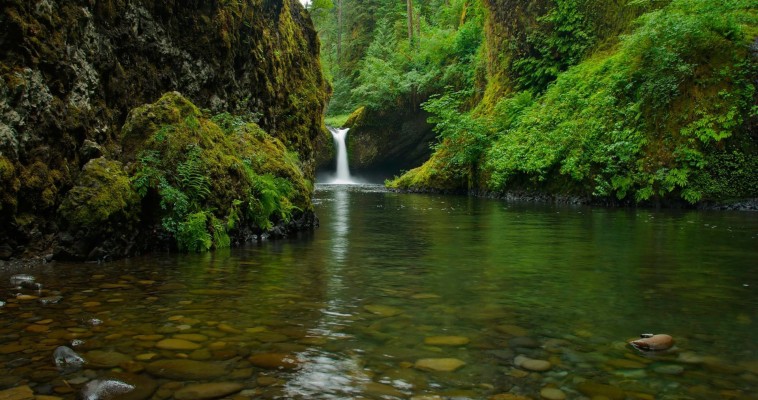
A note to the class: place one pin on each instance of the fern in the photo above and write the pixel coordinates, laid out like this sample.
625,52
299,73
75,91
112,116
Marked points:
192,233
192,175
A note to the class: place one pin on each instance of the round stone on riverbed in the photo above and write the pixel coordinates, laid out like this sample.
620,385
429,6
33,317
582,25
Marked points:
446,340
552,394
200,391
531,364
439,364
177,344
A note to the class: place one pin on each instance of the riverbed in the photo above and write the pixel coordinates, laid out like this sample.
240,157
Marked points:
409,296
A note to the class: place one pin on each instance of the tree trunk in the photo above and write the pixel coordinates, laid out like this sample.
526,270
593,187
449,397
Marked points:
339,31
409,3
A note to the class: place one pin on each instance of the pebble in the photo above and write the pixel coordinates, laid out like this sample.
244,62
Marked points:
384,311
192,337
12,348
531,364
669,369
621,363
105,359
513,330
593,390
439,364
446,340
177,344
228,329
524,341
275,361
199,391
552,394
17,393
186,369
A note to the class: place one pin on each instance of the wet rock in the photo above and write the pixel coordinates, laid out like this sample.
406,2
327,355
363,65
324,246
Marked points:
105,359
446,340
524,342
201,391
658,342
23,281
552,394
383,311
439,364
67,360
50,300
593,389
275,361
106,389
186,369
513,330
192,337
12,348
226,328
17,393
531,364
622,363
507,396
177,344
380,390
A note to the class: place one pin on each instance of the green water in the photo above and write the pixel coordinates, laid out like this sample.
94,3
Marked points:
354,301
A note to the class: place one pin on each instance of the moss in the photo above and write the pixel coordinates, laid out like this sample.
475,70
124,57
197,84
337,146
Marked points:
40,185
435,174
102,192
225,167
9,186
356,118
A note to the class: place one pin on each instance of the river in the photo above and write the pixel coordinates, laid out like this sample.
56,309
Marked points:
393,286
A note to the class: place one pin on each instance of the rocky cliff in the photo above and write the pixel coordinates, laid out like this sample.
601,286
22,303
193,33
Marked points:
70,72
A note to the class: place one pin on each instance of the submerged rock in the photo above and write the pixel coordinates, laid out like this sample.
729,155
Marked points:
186,369
439,364
275,361
446,340
105,389
531,364
23,280
17,393
201,391
177,344
383,311
67,360
658,342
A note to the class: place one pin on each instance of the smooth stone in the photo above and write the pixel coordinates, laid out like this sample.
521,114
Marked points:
186,369
145,356
67,360
12,348
507,396
439,364
201,355
17,393
105,359
384,311
621,363
425,296
654,343
142,387
375,389
446,340
34,328
177,344
149,338
228,329
593,389
513,330
552,394
524,341
199,391
531,364
275,361
192,337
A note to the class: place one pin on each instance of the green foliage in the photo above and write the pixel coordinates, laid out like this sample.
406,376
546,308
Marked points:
192,233
563,39
212,177
647,119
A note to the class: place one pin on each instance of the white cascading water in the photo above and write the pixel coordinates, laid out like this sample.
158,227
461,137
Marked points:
343,171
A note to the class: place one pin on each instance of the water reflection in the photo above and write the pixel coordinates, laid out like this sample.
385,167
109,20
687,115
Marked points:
392,279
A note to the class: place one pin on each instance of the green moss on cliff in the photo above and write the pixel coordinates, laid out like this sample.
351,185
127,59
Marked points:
202,171
9,186
103,192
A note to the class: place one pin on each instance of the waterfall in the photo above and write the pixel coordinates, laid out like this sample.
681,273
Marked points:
343,171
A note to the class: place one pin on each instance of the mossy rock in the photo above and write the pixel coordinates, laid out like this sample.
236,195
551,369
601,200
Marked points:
205,179
433,175
9,187
98,213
